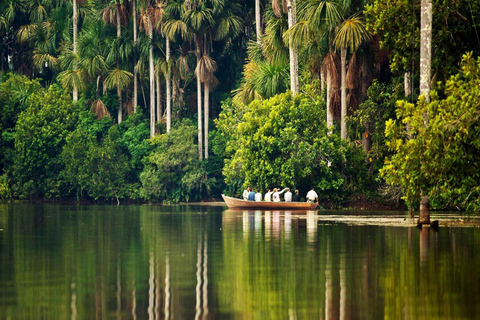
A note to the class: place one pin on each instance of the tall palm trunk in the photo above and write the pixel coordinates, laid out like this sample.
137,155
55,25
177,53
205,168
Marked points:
169,87
135,73
159,96
199,101
329,110
151,74
119,91
75,34
343,120
292,19
206,105
425,74
258,21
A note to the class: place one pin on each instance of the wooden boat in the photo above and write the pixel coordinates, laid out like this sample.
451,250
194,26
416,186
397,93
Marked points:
234,203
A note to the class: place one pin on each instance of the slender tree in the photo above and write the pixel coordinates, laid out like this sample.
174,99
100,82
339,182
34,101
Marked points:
425,78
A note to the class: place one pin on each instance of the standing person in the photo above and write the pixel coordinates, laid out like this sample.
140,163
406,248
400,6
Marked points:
245,193
312,196
251,195
258,196
296,196
268,196
276,194
288,196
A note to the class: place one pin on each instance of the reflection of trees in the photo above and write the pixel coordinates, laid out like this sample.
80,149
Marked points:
137,263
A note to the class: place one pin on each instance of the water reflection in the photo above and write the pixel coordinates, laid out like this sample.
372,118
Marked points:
142,263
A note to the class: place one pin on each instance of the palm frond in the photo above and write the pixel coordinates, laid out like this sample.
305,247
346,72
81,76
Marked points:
118,78
72,79
206,66
351,34
99,108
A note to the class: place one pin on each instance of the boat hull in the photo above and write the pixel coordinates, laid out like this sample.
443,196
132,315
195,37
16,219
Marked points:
234,203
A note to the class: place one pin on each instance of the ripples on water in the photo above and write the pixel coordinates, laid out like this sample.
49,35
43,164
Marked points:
194,262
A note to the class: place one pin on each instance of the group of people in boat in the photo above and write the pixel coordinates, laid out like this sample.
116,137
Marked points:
274,195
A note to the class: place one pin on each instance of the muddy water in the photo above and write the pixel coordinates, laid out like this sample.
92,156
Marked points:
192,262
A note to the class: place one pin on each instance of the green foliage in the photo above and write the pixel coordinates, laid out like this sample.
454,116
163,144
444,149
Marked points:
39,138
396,22
172,170
14,93
437,154
284,142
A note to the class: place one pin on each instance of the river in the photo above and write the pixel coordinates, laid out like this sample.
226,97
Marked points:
200,262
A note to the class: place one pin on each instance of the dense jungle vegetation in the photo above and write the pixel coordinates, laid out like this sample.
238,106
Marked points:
182,100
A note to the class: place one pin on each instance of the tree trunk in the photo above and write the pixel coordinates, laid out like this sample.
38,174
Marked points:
152,79
425,74
206,105
120,105
322,81
292,19
135,73
119,92
169,88
343,119
407,84
329,110
159,97
199,102
75,33
258,21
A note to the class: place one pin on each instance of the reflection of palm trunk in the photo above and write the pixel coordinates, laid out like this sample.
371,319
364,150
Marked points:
312,226
167,288
343,289
198,309
328,286
205,279
134,301
119,289
424,234
73,304
151,287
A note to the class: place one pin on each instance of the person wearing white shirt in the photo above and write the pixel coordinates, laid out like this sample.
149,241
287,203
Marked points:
288,196
312,196
258,196
245,193
276,194
268,196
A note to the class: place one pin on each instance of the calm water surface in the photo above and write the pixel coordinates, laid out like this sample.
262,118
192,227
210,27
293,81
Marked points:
193,262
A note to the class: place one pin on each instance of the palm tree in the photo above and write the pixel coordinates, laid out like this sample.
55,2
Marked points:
75,35
116,14
135,71
425,74
292,19
258,21
350,35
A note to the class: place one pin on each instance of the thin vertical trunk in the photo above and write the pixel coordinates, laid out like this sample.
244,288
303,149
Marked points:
199,103
135,73
407,84
329,110
425,74
75,33
292,19
119,91
198,288
167,288
169,87
343,120
258,21
120,105
159,97
206,105
322,81
152,79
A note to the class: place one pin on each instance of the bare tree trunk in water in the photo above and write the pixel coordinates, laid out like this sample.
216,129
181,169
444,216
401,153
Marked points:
425,74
